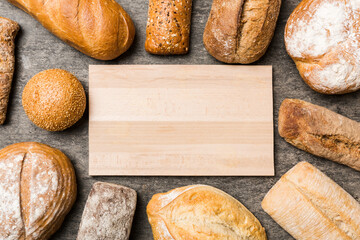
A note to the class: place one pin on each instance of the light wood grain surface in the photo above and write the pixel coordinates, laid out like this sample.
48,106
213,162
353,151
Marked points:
180,120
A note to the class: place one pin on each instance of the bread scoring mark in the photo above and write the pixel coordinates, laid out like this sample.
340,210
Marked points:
325,208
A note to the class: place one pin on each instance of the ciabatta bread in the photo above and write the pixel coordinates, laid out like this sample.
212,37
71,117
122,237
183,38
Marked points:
322,37
108,213
37,190
240,31
309,206
168,27
100,29
201,212
320,131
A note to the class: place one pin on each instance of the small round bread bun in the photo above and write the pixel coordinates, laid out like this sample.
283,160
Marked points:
54,100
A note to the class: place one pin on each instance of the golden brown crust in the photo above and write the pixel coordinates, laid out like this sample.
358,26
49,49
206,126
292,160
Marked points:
320,131
321,36
240,31
8,31
168,27
100,29
309,205
201,212
54,99
46,190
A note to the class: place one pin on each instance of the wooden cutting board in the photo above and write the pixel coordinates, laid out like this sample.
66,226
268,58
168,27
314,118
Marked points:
181,120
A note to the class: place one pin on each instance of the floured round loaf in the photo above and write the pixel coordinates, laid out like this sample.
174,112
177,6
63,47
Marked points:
201,212
37,190
323,38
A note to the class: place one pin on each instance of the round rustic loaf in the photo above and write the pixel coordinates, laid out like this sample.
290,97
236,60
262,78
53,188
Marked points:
37,190
322,37
54,99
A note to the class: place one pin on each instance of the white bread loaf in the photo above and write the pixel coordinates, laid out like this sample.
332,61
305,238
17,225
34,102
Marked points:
322,37
37,190
309,205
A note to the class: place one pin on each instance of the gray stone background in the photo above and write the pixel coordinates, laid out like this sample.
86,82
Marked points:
38,50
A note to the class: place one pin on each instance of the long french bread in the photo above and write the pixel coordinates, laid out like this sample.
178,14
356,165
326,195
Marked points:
101,29
8,31
320,131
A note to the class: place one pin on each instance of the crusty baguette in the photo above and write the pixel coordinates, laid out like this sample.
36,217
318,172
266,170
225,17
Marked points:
168,27
320,131
100,29
240,31
309,205
37,190
201,212
108,213
8,31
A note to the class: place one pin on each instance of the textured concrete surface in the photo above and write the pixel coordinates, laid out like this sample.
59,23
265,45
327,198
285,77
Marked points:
38,50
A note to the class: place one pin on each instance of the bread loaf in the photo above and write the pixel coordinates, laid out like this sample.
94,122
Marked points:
320,131
240,31
168,27
108,213
322,37
8,31
100,29
309,205
54,99
201,212
37,190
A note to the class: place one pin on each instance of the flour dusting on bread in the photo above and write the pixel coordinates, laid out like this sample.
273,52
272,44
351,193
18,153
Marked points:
43,186
316,34
323,38
37,190
11,224
339,75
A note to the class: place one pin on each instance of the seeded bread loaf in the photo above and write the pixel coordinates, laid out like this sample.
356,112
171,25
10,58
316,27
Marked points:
54,99
309,206
37,190
320,131
240,31
168,27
